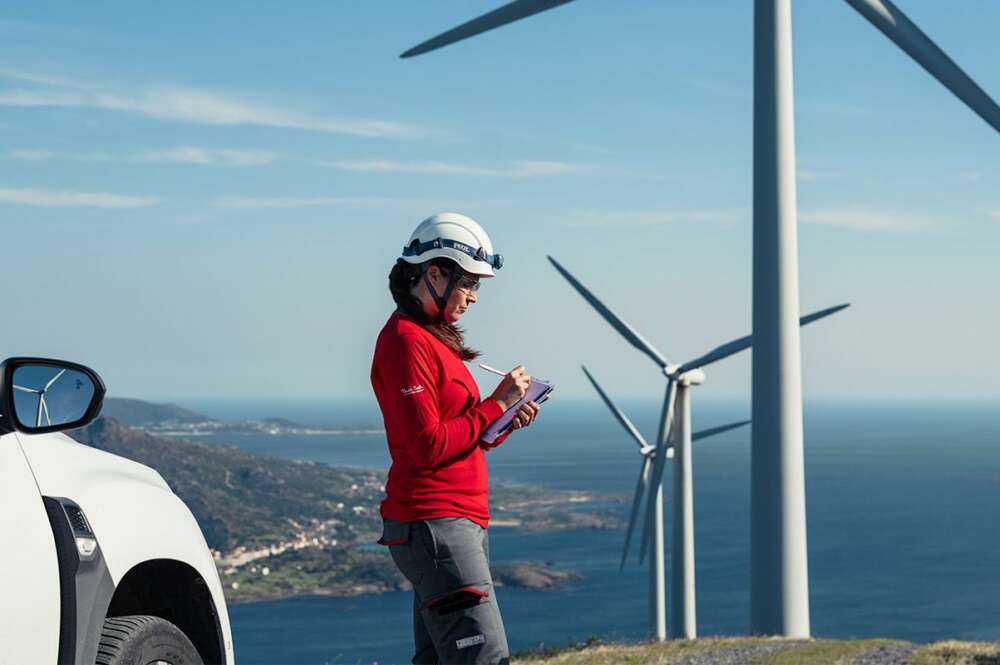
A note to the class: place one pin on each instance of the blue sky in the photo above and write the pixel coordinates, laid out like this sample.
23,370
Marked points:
203,200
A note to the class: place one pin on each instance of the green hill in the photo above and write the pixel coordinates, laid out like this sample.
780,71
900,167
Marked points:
137,413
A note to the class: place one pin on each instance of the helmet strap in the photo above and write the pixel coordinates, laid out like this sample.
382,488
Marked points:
442,299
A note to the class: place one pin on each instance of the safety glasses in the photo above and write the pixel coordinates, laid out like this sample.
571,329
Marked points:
464,282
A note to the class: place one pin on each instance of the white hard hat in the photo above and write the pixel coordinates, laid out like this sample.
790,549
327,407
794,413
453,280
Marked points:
456,237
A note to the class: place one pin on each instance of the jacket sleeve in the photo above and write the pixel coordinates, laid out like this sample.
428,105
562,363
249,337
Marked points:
411,382
500,439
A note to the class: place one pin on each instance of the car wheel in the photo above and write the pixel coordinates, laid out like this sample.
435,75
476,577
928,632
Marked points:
144,640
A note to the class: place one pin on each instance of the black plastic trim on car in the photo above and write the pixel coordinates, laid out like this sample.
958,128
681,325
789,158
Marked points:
68,560
85,584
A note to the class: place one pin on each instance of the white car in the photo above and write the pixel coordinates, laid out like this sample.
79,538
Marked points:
100,562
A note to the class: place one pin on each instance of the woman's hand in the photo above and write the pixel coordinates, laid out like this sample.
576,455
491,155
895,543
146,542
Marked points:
526,415
512,387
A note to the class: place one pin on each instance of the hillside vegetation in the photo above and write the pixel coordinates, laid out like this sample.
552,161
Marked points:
245,499
135,412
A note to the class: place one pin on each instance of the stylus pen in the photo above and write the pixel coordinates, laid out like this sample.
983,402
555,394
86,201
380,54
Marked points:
492,369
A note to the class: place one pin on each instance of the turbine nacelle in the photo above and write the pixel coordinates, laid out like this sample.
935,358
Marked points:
692,377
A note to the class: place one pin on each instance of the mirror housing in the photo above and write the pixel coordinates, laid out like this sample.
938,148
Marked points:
66,400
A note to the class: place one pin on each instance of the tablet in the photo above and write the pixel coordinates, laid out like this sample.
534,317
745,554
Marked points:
538,392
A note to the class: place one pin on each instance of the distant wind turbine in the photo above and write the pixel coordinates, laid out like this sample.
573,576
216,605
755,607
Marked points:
679,379
43,408
657,607
779,579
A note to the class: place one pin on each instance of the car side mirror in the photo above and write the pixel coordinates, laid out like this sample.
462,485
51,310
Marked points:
39,395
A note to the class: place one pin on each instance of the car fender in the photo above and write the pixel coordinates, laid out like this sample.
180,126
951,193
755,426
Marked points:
134,515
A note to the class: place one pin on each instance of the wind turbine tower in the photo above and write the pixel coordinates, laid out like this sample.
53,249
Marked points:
684,624
779,582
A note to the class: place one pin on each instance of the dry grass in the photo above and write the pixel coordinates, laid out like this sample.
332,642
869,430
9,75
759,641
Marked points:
958,653
645,653
811,652
827,652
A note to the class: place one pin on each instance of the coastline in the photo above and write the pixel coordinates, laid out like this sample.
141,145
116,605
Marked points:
357,572
313,593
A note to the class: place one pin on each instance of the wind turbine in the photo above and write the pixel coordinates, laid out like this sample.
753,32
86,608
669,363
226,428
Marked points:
43,408
657,607
680,378
779,581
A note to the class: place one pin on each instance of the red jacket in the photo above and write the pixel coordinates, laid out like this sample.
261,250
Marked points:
433,420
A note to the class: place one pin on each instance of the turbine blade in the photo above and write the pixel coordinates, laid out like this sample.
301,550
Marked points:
622,418
640,489
737,345
906,35
45,407
513,11
718,353
27,390
629,333
53,380
659,462
705,433
822,314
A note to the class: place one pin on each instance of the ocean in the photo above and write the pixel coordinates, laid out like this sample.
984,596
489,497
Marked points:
903,502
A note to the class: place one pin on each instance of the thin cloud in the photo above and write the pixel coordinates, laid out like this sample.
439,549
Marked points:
634,217
526,169
402,205
865,220
994,214
179,155
857,219
73,199
189,105
278,203
30,155
519,169
209,156
33,77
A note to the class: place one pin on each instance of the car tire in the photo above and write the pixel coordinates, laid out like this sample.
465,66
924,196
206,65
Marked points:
141,640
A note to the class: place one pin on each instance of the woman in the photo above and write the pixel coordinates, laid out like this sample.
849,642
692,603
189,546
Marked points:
435,513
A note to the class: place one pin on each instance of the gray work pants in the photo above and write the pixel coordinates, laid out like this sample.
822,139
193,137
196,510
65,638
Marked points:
456,618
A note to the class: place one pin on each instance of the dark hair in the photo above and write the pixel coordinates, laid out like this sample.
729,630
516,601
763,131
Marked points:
402,277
